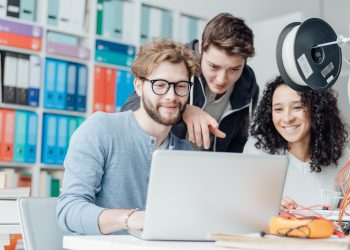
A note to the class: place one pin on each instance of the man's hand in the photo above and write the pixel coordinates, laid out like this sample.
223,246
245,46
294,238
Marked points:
199,125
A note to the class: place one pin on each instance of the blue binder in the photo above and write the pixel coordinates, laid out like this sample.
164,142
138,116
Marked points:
115,47
62,139
61,83
72,126
50,83
48,152
20,136
35,81
71,87
32,131
144,24
166,30
82,88
125,86
112,18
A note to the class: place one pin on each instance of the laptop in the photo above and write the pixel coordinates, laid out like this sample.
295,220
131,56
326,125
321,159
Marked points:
194,193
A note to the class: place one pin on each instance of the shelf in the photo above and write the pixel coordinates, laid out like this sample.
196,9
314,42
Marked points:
64,112
113,66
16,165
72,33
20,50
113,40
67,58
51,167
19,107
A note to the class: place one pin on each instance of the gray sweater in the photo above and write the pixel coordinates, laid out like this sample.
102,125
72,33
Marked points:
107,166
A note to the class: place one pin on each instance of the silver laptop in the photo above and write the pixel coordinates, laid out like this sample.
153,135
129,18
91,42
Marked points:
193,193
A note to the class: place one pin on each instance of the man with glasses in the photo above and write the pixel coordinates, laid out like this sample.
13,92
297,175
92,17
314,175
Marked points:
225,93
108,161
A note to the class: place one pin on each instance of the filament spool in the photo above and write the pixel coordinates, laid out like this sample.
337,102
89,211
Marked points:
303,67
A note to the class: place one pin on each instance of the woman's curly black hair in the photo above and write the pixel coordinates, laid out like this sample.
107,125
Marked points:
328,133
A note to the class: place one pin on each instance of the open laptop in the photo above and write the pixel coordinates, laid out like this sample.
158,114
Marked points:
194,193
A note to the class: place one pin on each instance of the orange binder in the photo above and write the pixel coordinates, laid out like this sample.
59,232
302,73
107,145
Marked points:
20,41
99,88
110,90
7,134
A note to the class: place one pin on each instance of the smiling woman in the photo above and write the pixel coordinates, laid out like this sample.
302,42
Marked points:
308,128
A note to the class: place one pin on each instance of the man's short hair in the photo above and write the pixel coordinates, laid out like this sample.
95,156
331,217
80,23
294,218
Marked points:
153,53
230,34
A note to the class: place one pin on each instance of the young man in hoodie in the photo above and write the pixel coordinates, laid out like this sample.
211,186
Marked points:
225,93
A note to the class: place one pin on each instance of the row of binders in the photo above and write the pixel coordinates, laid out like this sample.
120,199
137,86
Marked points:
67,15
66,45
112,87
20,35
23,9
65,85
114,53
57,130
113,19
18,140
21,78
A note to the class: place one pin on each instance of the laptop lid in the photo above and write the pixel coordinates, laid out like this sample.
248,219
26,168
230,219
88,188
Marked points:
194,193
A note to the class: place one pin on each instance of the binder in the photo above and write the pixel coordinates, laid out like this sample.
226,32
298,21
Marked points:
55,37
20,136
128,23
31,140
1,131
110,90
114,47
71,15
52,12
112,18
67,50
34,81
3,8
78,15
10,77
61,83
27,10
125,86
7,135
62,139
82,83
13,8
20,28
22,80
184,24
71,86
144,23
72,126
166,29
20,41
50,83
99,88
99,17
192,28
48,153
155,20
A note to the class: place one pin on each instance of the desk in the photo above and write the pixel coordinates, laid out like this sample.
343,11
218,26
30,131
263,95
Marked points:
127,242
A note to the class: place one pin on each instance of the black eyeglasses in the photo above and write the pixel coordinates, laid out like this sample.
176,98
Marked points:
161,87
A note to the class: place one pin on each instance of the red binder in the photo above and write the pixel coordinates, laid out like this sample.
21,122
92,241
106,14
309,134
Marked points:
110,90
99,88
20,41
7,135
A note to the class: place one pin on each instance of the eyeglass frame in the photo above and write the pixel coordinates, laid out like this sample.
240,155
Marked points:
153,81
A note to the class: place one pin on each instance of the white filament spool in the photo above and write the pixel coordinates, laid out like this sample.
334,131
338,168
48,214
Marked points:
288,59
301,64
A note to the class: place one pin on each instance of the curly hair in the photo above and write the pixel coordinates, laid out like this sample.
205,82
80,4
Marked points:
328,133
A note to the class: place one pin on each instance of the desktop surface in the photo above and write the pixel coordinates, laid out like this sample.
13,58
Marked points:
127,242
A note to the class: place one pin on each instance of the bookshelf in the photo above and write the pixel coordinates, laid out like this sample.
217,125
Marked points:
77,43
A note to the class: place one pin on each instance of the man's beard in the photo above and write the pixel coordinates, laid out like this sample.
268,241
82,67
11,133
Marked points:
154,113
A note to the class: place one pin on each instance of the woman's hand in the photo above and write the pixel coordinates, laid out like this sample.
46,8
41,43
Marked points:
199,125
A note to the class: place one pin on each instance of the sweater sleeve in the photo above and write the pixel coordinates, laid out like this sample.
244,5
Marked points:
84,168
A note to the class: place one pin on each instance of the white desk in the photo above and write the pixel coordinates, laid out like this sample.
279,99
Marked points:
126,242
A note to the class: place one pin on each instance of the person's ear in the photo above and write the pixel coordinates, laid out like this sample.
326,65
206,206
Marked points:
138,86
